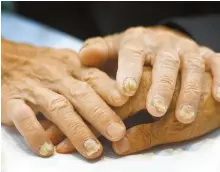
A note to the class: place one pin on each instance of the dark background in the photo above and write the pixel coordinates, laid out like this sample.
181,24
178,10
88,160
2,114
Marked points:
86,19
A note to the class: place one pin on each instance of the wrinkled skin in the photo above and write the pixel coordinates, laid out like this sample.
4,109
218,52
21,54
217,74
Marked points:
17,86
52,81
168,52
165,130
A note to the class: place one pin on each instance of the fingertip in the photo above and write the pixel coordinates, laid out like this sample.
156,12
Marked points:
121,147
115,131
46,149
127,85
118,99
93,54
186,114
156,106
65,147
93,148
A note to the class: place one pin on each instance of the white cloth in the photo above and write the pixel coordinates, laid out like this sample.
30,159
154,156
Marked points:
202,155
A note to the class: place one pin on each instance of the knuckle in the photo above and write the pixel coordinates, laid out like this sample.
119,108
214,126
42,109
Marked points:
81,90
205,51
59,103
194,62
192,88
100,113
144,131
169,60
91,75
167,83
76,129
93,40
215,60
21,113
135,30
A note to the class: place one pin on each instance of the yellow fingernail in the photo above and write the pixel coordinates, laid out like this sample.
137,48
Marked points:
46,149
159,104
187,112
130,85
91,147
218,92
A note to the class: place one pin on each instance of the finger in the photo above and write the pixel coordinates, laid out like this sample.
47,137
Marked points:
193,69
213,61
65,147
55,134
46,124
96,51
27,124
58,109
103,85
92,108
164,76
138,138
131,59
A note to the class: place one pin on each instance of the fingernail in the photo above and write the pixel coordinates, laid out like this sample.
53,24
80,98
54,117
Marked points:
121,147
218,92
159,104
115,130
116,97
187,112
46,149
62,146
91,147
130,85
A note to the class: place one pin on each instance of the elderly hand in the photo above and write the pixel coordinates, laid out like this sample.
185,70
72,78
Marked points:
165,130
53,82
168,52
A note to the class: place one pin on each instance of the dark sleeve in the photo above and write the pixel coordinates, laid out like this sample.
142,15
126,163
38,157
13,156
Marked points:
203,29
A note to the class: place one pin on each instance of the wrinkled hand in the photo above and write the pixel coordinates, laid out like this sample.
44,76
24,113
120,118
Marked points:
52,81
165,130
168,52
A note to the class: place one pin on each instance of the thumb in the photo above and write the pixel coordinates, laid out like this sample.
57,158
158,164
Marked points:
98,50
139,138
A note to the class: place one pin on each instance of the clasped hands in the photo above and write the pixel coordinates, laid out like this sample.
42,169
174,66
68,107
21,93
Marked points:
83,102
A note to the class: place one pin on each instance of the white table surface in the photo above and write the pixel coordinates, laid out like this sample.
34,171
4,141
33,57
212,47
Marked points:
197,156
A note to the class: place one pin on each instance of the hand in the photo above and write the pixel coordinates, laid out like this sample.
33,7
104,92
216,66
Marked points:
168,52
52,81
165,130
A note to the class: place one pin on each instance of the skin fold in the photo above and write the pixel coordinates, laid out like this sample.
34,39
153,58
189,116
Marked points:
72,97
167,51
165,130
53,82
